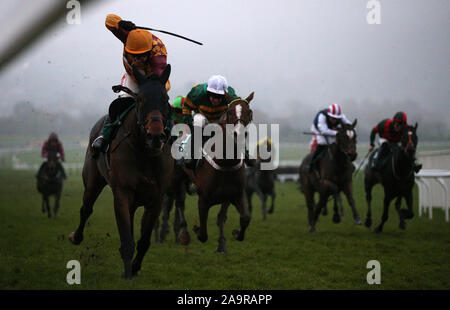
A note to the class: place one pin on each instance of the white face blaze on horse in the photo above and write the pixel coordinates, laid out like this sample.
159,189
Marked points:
239,125
350,134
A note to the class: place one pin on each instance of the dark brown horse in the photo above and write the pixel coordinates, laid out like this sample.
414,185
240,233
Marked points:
50,183
334,175
397,178
261,182
222,181
140,169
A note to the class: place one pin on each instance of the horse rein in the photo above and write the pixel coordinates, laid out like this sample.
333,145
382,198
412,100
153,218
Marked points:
239,119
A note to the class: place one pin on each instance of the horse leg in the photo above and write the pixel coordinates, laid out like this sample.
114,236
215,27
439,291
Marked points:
340,206
183,234
263,197
318,208
272,204
47,206
249,200
348,191
398,203
368,188
57,198
385,216
93,188
309,196
123,202
43,203
408,214
166,208
149,218
221,219
241,206
325,210
336,216
203,209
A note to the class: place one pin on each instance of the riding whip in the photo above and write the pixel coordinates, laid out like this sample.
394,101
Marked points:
173,34
362,161
318,134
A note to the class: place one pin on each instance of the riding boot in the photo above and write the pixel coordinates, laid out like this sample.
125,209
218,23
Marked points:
317,151
195,152
63,173
382,153
100,143
41,168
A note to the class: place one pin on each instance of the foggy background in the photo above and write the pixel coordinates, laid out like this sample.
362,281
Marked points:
298,57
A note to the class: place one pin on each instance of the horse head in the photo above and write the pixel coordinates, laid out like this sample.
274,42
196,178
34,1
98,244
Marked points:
346,140
52,165
409,141
239,113
152,107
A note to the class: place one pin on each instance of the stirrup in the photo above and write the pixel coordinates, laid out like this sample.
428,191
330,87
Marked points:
99,140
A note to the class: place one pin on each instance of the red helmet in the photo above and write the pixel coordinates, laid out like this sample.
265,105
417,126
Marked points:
335,111
400,117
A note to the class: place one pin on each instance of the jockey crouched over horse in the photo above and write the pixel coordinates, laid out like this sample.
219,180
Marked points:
51,173
393,166
129,149
328,168
219,178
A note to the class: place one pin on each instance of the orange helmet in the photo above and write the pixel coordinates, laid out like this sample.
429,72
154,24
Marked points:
139,41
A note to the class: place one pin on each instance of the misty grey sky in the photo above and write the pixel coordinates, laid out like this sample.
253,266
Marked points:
294,54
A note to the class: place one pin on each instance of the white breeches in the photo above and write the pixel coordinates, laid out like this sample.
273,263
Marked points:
127,81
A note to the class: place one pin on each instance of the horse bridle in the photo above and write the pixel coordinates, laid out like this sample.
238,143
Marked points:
344,151
239,120
140,123
405,150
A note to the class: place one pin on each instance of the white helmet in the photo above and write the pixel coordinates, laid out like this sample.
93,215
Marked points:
334,111
217,84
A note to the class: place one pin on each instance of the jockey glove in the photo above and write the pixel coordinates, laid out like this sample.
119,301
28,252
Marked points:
127,25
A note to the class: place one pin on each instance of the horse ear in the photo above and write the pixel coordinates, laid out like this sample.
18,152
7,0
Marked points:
250,97
415,126
139,77
165,75
354,122
227,97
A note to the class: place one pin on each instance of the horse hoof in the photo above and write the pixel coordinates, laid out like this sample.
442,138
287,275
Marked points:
221,250
127,276
74,239
368,223
184,238
270,211
358,221
236,234
312,229
195,228
402,226
378,230
336,218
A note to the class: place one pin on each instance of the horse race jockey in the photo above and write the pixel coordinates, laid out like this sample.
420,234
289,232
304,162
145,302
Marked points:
52,144
142,50
324,129
208,103
390,132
